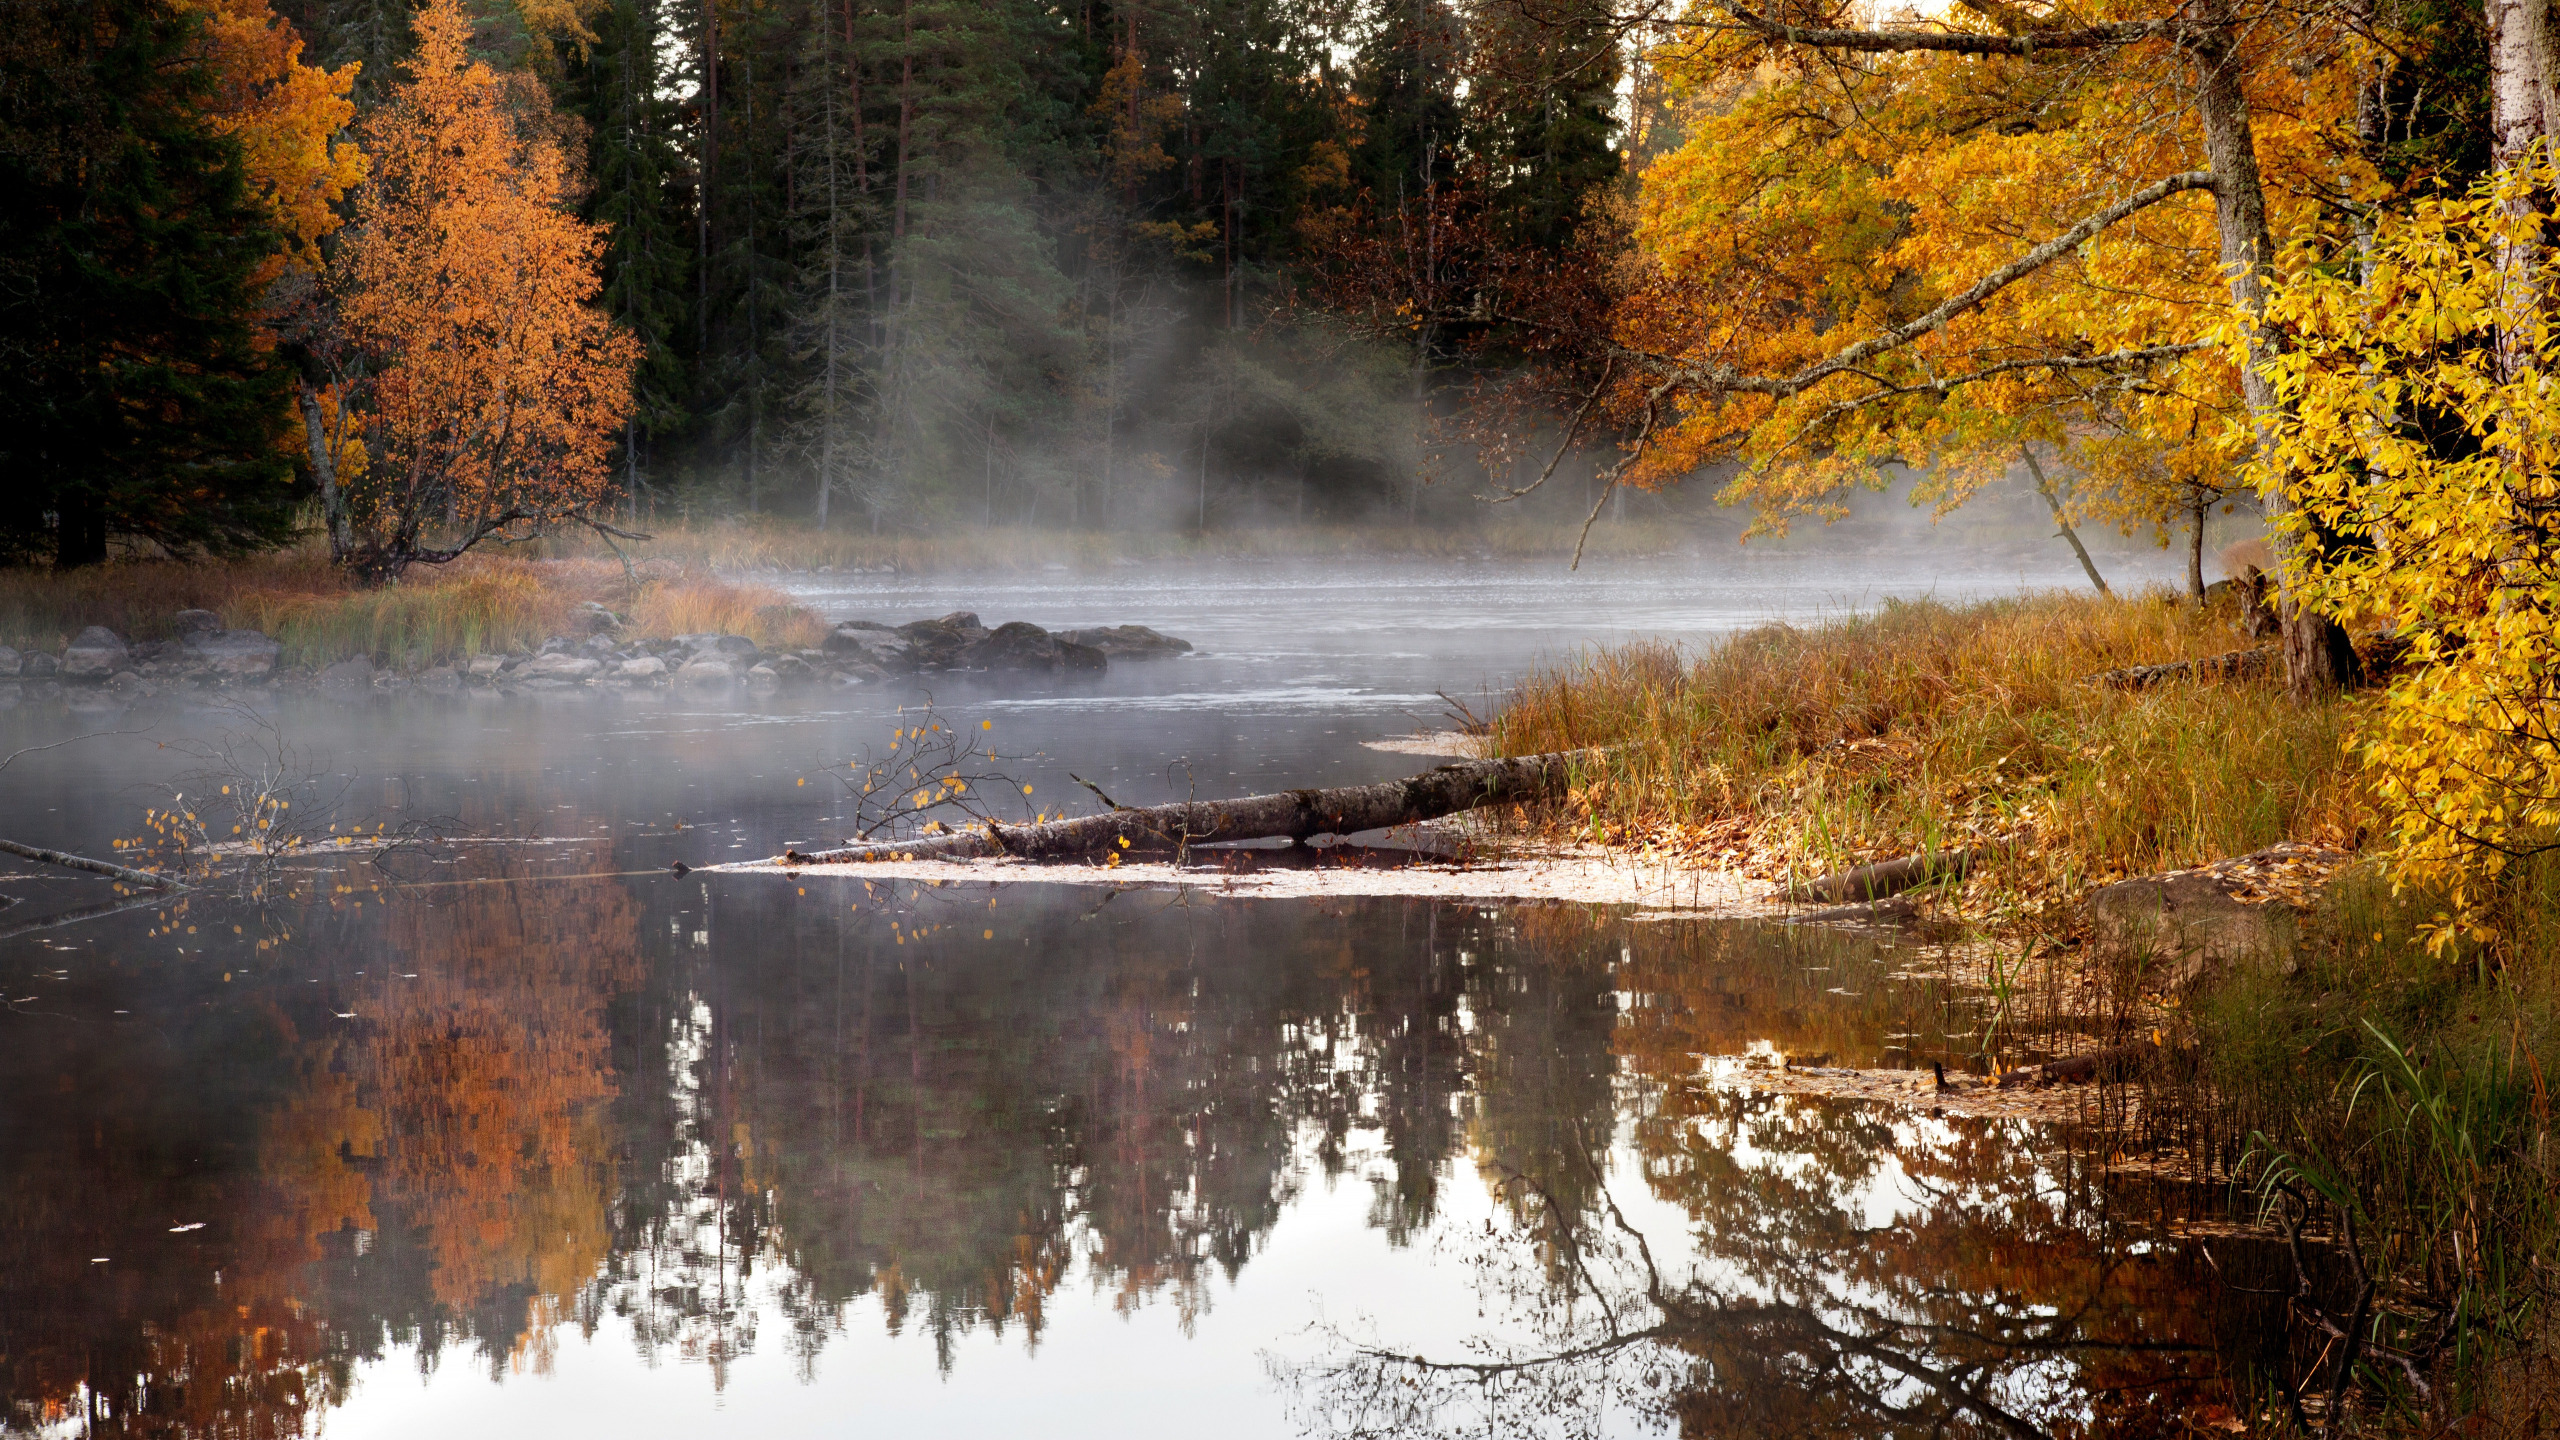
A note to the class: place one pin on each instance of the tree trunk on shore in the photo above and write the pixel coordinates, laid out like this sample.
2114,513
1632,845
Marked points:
1291,814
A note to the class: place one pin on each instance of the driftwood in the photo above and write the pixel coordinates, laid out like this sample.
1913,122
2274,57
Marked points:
2114,1063
1292,814
94,867
1885,877
2230,665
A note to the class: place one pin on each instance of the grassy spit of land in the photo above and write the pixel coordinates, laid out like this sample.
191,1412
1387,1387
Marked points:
499,603
2398,1090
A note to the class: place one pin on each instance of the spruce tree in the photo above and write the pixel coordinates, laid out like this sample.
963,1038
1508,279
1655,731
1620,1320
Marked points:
140,402
622,87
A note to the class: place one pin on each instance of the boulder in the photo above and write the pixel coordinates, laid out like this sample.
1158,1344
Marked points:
791,670
1127,642
94,654
38,665
597,618
125,682
11,662
560,665
763,677
2187,926
189,622
870,642
936,644
706,673
646,667
240,653
736,648
1023,646
356,674
485,667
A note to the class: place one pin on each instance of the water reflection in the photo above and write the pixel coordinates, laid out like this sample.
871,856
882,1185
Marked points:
479,1124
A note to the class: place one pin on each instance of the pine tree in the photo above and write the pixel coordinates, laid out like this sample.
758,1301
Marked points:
141,403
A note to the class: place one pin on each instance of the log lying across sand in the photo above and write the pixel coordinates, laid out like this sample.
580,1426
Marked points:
1291,815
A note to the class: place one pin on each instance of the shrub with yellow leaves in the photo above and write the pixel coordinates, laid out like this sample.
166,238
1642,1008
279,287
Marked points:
2419,436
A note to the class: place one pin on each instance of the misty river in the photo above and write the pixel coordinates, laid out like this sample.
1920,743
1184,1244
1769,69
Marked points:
493,1125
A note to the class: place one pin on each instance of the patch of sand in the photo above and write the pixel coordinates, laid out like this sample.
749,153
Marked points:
1586,877
1452,744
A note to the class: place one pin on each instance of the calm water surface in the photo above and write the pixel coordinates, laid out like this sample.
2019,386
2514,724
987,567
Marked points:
506,1130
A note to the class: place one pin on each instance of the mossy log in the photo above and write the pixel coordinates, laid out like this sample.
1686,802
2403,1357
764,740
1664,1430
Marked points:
1291,814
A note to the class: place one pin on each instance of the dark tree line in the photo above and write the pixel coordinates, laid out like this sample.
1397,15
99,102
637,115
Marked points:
945,260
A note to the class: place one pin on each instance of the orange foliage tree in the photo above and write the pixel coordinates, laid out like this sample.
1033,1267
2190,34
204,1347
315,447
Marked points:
482,387
289,119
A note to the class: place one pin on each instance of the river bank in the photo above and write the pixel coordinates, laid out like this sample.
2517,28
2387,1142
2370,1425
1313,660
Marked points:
2353,1078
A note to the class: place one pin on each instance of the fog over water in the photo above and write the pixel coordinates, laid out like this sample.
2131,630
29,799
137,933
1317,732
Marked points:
538,1137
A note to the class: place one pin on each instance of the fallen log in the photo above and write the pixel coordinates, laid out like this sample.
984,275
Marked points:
95,867
1885,877
2114,1063
1292,814
2230,665
1874,912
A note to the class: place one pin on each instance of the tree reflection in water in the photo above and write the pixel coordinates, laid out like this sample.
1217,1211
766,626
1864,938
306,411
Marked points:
1844,1269
690,1112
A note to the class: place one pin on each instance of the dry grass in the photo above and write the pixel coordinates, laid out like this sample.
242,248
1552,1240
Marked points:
432,616
1931,726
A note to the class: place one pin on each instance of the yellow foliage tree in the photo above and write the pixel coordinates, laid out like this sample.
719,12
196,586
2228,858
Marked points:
1934,239
488,385
2420,425
1816,202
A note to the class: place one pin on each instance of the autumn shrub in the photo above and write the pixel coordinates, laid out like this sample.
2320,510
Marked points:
1792,749
2448,531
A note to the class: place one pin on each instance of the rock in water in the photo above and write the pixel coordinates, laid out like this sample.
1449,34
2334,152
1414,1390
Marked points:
871,641
560,665
356,674
737,649
11,662
937,644
706,673
646,667
1127,642
236,653
94,654
1023,646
